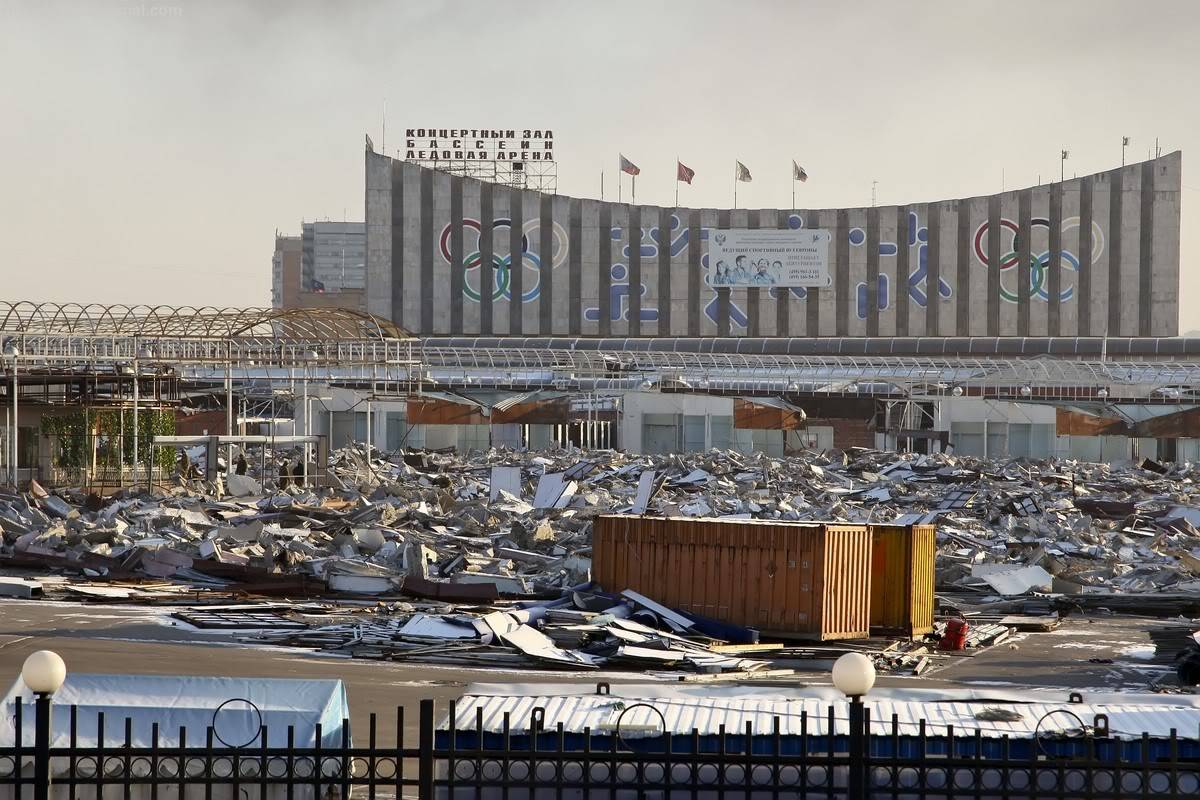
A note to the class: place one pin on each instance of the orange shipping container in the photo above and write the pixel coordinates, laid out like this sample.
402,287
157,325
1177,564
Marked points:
902,576
809,580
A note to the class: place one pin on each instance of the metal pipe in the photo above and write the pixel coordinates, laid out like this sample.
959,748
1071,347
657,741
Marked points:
136,375
15,427
228,411
304,389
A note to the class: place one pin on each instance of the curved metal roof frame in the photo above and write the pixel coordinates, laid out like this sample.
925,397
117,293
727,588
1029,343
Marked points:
190,322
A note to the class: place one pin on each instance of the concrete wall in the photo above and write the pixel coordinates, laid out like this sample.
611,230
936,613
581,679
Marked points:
637,405
1089,256
977,428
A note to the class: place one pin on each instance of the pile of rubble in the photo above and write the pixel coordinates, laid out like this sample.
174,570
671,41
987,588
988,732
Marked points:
581,631
518,525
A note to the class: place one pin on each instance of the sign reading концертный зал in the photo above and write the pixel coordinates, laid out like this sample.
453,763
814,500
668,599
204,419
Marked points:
478,144
768,257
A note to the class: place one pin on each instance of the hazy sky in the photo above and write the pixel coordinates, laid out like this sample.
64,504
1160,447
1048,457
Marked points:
149,151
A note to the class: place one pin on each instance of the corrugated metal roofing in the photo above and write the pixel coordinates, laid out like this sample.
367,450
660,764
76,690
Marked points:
775,402
525,397
706,709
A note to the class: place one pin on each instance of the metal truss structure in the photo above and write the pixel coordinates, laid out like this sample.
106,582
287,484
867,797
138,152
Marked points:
210,345
188,322
540,176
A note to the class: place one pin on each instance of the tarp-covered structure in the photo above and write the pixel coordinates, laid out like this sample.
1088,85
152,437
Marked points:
235,708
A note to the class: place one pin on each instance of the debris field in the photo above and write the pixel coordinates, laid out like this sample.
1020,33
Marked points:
485,559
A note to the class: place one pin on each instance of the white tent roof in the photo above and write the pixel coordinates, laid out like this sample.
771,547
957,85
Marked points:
707,708
191,703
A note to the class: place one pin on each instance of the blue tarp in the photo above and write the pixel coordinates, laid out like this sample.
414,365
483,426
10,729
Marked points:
902,747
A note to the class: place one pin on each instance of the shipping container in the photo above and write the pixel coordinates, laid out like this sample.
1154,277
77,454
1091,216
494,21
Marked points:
804,580
902,575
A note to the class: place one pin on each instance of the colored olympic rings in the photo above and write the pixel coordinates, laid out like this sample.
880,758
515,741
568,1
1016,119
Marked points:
1039,263
502,265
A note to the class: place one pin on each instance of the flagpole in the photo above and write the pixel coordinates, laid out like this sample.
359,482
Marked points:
602,185
735,177
620,184
677,181
633,181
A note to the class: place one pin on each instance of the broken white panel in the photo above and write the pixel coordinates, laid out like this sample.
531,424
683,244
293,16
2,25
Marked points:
650,654
645,487
242,485
505,479
369,539
19,587
427,627
538,645
360,584
59,507
1020,580
242,533
679,620
554,491
505,584
696,476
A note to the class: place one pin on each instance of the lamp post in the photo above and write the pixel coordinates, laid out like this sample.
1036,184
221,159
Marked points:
854,675
44,673
13,352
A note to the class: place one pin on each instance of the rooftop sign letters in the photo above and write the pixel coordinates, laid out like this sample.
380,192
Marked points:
478,144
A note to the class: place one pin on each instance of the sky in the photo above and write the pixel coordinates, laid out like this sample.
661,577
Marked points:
149,151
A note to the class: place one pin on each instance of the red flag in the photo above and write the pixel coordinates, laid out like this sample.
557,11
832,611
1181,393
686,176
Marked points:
683,173
628,166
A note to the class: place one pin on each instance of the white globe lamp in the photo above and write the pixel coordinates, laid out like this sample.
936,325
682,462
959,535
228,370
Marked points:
853,674
44,672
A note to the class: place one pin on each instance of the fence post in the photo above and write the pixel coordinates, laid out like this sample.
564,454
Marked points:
857,750
41,754
425,755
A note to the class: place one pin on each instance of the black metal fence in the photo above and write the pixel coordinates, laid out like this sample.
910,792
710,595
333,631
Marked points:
498,759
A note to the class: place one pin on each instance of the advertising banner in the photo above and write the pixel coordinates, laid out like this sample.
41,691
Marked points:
768,257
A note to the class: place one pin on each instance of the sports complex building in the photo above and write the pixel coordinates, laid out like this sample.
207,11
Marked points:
990,323
1094,256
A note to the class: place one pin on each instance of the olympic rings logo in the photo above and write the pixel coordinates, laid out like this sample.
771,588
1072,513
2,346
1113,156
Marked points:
1039,262
502,266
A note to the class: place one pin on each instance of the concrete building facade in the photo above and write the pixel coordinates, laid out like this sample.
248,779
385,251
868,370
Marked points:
289,287
1091,256
334,256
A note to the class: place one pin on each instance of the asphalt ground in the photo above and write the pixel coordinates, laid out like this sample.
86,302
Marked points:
1085,654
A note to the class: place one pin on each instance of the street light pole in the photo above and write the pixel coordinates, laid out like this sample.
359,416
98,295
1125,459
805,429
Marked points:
43,673
41,742
858,737
854,675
